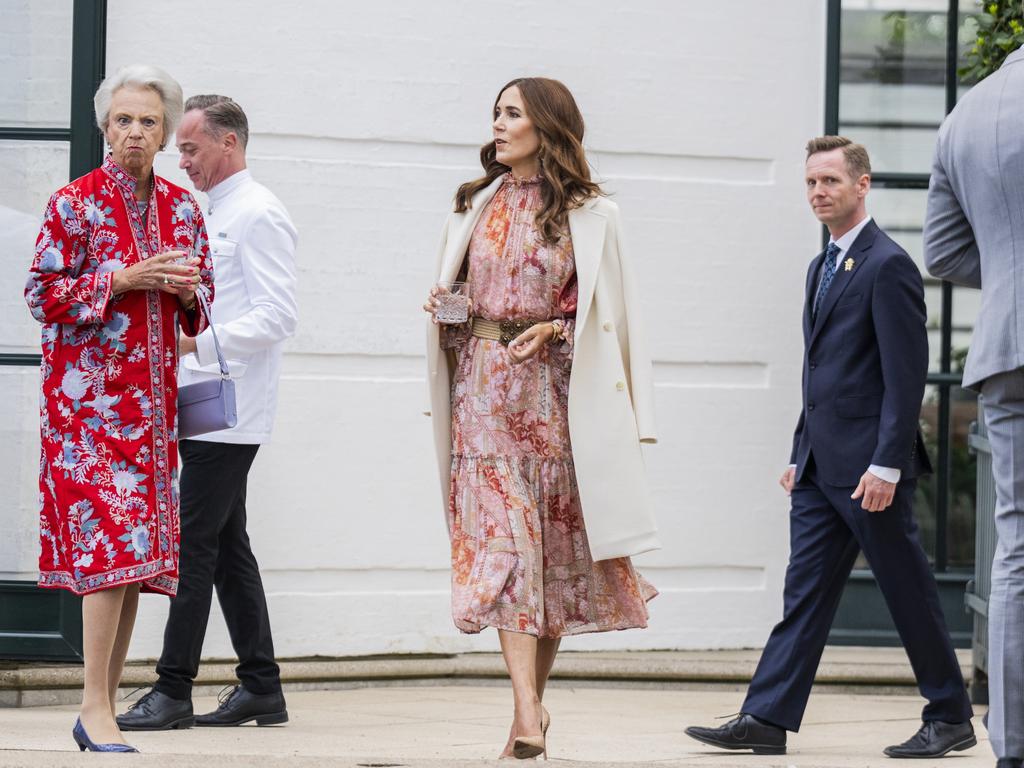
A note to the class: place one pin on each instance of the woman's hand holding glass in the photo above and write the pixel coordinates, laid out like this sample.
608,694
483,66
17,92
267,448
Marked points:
531,341
449,303
186,289
169,271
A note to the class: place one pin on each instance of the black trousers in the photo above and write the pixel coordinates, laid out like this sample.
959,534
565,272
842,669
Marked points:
827,529
215,552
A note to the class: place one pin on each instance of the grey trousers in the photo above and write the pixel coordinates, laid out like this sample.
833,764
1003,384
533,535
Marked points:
1003,396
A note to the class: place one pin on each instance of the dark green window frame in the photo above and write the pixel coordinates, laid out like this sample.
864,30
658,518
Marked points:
863,617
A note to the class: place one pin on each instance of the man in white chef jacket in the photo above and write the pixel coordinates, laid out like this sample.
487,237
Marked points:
252,240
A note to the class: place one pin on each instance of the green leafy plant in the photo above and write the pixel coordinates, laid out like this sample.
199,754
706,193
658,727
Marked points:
1000,31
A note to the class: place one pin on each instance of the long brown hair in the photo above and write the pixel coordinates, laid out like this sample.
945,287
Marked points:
563,164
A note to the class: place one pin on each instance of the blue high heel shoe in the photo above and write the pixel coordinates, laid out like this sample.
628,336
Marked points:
85,743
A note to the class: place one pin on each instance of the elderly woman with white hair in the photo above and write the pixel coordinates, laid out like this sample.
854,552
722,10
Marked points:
118,264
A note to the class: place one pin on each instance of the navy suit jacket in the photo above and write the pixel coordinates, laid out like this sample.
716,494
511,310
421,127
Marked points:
865,363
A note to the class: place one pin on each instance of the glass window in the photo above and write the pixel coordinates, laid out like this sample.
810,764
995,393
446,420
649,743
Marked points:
959,527
966,304
35,90
900,212
45,129
30,171
19,477
892,94
891,85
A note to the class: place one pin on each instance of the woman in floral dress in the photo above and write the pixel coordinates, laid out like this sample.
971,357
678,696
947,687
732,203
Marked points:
521,560
119,259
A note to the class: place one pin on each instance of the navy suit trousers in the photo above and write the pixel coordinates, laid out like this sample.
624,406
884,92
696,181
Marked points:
827,529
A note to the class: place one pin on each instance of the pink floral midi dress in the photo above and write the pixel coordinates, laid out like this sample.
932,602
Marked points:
520,557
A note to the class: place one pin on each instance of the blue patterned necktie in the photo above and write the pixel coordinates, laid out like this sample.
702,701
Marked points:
827,276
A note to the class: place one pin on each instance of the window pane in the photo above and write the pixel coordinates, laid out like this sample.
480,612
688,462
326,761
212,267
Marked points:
963,480
966,304
900,212
960,516
19,472
927,486
892,79
35,89
29,173
967,33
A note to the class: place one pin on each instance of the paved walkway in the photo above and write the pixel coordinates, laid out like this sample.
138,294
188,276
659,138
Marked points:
431,725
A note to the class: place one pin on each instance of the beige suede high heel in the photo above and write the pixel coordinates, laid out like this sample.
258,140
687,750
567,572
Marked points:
545,721
526,747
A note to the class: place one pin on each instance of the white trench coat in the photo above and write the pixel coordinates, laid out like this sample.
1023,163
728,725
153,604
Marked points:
611,397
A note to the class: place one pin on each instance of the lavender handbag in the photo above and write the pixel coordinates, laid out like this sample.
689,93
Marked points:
207,406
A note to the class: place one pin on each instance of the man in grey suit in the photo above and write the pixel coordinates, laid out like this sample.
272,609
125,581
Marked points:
974,236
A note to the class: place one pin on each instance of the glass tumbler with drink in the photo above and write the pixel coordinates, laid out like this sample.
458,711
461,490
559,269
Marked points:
452,302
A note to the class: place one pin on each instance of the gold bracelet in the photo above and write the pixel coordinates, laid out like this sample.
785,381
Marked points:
557,329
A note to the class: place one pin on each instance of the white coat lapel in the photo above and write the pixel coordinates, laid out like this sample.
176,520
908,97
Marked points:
587,228
458,238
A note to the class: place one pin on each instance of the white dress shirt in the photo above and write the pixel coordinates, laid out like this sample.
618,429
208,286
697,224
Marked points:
889,474
252,241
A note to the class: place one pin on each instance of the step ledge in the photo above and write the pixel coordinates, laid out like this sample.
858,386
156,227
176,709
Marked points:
643,667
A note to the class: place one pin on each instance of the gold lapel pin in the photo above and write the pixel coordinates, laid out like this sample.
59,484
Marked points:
848,264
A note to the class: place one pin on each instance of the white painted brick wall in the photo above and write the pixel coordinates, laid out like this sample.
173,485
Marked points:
365,117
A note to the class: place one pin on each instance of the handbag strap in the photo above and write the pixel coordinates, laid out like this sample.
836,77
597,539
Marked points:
201,298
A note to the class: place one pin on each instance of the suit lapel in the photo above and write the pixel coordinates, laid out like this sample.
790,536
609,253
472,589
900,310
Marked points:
855,257
459,236
587,228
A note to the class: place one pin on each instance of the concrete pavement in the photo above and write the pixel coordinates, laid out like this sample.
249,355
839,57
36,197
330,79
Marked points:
429,725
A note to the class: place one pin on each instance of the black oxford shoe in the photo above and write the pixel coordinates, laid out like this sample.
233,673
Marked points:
745,732
1009,762
240,706
935,739
157,712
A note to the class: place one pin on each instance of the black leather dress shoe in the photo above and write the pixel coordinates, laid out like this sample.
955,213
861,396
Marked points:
241,706
1009,762
745,732
157,712
935,739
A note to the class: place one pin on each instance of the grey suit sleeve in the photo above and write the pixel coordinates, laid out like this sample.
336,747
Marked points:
950,250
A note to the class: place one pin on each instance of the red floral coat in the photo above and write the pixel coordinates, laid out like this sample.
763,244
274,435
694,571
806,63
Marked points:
108,406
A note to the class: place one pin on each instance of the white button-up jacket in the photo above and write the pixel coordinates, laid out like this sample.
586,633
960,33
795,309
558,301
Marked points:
252,240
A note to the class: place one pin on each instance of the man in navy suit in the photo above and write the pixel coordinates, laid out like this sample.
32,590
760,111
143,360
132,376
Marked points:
857,453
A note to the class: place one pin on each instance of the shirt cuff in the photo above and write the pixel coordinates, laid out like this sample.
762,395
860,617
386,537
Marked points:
889,474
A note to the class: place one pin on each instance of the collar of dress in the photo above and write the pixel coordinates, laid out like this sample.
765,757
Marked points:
121,177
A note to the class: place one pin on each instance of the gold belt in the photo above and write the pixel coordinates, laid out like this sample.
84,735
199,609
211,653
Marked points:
502,331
